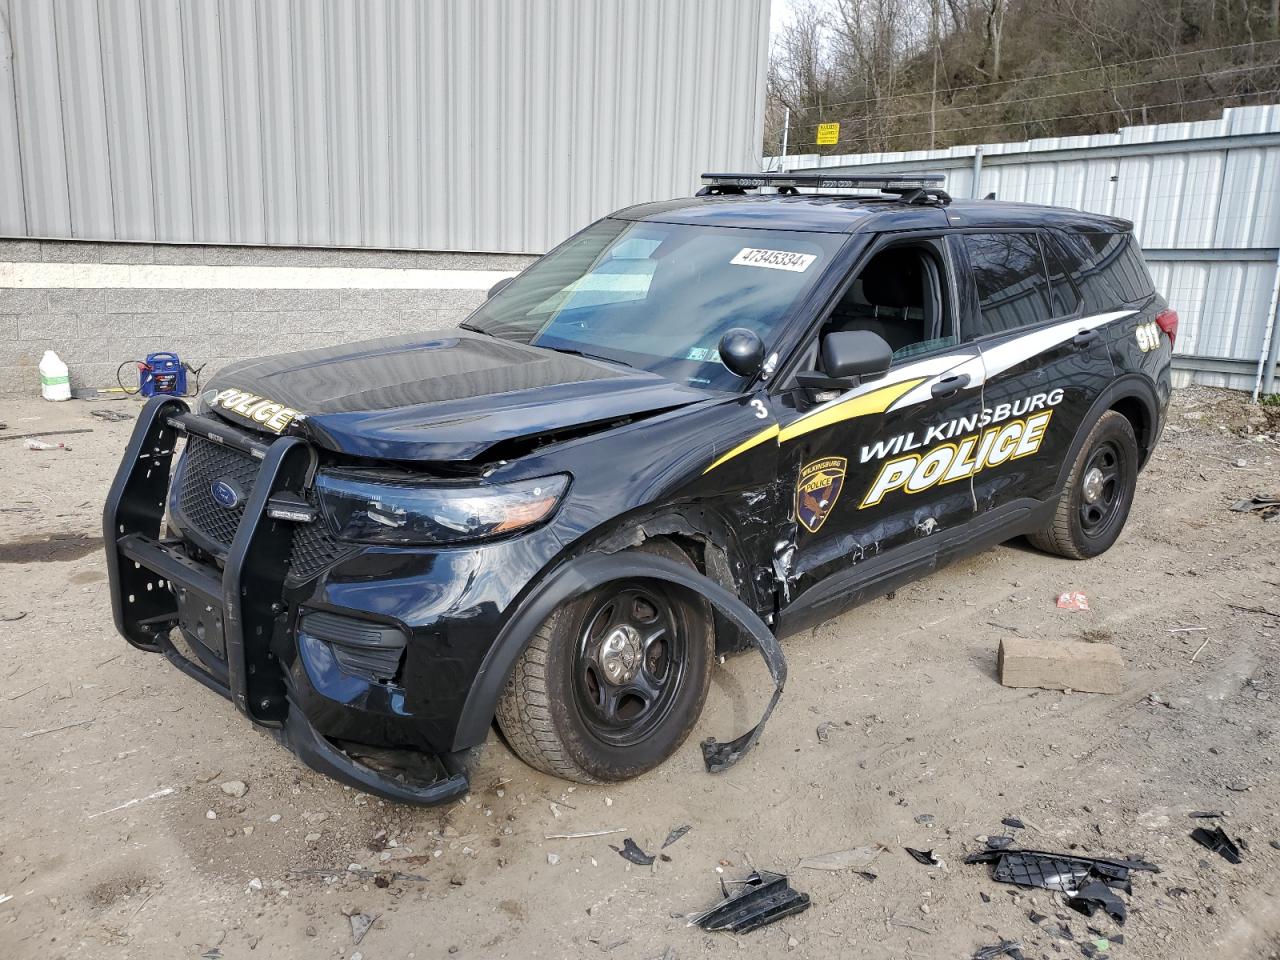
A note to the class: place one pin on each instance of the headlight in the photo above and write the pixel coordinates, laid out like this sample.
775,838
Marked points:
368,510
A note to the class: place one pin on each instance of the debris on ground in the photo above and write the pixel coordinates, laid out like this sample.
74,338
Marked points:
45,433
1005,948
1073,601
111,416
630,851
999,843
1267,507
925,819
923,856
843,859
1061,665
675,834
824,730
234,788
34,444
1014,823
1218,841
1086,881
1206,814
764,898
360,924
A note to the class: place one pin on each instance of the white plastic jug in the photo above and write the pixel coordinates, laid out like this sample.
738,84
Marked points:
55,381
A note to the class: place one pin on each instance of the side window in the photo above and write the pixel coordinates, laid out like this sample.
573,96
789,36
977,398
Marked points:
1009,273
902,295
1063,299
1111,271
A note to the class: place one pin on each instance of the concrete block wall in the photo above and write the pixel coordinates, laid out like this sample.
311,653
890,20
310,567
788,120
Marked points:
187,300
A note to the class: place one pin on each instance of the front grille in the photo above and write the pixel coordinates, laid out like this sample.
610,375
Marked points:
314,548
203,464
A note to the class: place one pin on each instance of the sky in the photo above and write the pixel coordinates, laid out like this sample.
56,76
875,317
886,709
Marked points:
779,11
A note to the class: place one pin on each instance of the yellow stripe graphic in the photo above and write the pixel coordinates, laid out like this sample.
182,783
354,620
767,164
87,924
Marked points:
768,433
877,401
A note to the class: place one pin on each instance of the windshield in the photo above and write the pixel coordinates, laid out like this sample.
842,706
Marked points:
659,296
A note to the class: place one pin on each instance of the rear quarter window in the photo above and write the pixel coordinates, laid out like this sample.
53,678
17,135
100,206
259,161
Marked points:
1108,269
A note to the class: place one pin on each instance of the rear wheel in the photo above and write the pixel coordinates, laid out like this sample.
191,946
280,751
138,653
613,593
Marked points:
1094,504
612,683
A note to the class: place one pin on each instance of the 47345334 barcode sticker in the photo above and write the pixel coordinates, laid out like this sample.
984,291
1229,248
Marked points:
774,259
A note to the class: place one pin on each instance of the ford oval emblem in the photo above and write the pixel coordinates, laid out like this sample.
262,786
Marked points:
226,495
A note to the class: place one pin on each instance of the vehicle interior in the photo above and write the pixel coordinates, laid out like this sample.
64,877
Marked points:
899,295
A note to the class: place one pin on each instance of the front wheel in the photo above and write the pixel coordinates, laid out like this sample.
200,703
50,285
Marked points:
1094,504
612,683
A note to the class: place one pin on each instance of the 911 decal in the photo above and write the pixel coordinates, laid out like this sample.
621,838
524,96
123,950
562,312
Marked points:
271,415
1148,335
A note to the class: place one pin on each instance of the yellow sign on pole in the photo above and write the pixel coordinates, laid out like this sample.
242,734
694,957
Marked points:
828,133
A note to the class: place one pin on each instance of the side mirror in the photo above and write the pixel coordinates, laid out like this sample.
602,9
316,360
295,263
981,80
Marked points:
493,291
742,351
855,353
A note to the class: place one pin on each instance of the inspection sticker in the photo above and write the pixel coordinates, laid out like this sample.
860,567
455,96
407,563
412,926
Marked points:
774,259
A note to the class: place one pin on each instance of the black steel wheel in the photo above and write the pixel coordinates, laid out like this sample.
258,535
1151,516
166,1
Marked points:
631,659
1101,485
1095,501
613,683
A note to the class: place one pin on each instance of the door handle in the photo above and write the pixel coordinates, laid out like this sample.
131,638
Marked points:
950,386
1084,338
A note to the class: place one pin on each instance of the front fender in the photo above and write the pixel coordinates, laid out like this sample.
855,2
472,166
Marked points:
582,574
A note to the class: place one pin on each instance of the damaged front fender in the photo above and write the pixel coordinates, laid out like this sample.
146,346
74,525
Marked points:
583,574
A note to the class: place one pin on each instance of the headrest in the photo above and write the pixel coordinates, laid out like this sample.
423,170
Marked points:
892,279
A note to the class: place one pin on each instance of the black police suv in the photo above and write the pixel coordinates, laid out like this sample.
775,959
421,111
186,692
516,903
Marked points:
695,427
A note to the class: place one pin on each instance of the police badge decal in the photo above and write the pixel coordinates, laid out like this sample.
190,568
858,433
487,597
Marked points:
818,489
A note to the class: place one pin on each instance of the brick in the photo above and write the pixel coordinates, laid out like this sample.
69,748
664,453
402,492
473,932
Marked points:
1061,665
126,300
17,300
297,299
77,300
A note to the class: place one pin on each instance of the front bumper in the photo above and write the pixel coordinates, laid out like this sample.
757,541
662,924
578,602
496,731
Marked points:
242,601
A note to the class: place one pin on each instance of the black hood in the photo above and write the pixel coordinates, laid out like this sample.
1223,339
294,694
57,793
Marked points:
442,395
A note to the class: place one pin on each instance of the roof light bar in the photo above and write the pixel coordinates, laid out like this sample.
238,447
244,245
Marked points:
885,182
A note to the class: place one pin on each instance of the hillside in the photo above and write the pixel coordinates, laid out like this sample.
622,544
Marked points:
911,74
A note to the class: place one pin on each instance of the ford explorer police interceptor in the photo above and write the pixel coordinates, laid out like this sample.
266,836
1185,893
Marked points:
697,426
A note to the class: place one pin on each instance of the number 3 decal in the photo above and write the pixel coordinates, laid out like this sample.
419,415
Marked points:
762,412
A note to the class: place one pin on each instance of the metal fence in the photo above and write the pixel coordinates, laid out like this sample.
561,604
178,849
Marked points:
1204,198
456,125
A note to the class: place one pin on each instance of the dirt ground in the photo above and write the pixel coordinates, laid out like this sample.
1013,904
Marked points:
117,839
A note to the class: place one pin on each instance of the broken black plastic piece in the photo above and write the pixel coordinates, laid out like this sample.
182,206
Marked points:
1217,841
999,843
675,834
1014,822
1089,883
922,856
1206,814
764,898
629,851
1096,895
1005,948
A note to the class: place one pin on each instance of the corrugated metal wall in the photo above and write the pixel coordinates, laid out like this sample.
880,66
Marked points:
1204,198
476,125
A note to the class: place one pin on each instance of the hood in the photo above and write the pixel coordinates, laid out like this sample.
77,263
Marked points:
438,396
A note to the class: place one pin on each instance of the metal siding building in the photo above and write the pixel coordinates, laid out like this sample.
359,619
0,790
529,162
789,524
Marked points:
447,125
1204,198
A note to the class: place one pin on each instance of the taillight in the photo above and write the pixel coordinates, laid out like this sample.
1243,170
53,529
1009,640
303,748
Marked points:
1167,320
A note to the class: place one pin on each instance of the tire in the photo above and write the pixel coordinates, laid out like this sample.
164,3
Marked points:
1093,507
551,714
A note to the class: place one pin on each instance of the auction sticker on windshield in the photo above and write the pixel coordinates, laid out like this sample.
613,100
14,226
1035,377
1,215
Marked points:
774,259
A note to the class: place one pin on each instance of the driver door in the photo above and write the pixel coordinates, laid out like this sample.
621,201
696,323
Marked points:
881,466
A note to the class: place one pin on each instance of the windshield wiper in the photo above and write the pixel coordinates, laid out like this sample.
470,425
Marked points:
589,356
